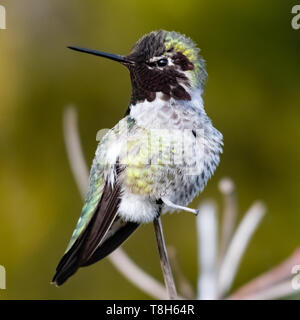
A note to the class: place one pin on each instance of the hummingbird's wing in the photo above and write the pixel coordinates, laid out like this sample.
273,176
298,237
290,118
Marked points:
102,234
122,231
99,230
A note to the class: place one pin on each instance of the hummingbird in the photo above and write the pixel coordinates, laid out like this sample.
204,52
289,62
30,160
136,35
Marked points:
156,159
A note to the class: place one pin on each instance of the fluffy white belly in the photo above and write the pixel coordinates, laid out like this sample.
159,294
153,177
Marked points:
137,208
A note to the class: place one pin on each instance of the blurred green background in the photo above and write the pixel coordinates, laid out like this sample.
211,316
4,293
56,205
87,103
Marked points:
252,96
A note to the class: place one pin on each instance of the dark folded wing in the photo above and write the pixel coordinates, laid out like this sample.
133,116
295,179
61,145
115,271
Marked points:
89,240
113,241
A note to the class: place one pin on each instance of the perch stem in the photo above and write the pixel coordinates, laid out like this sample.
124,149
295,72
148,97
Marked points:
164,260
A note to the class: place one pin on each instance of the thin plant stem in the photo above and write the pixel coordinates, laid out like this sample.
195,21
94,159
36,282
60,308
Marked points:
164,260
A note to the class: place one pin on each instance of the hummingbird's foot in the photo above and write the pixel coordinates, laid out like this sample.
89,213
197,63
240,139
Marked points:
170,204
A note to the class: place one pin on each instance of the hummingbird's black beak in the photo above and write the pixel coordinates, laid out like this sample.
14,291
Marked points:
110,56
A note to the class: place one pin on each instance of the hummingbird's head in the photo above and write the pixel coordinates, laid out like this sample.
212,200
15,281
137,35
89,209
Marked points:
161,62
165,62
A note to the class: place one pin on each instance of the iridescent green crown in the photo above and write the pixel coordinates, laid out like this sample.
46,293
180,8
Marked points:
186,46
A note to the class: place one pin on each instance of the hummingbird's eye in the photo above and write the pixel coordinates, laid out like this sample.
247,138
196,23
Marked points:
162,62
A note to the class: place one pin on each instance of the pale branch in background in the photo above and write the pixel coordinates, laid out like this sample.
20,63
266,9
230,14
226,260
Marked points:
277,291
273,284
183,284
238,246
74,150
137,276
227,189
207,251
264,283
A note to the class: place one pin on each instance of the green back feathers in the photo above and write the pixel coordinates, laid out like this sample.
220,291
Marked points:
97,177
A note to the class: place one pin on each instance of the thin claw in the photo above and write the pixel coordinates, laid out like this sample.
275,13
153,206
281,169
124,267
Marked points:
170,204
